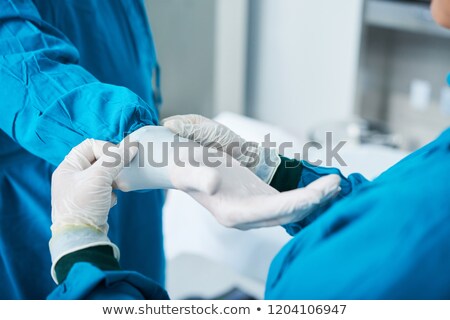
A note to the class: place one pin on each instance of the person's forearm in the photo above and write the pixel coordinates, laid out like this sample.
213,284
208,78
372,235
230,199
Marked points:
50,103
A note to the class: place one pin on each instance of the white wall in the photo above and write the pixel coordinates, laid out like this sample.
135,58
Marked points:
184,33
303,61
201,47
231,55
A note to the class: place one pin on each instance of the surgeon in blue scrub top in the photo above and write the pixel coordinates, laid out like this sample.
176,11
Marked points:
71,70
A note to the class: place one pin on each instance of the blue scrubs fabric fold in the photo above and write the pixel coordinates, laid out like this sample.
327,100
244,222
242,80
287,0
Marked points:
387,239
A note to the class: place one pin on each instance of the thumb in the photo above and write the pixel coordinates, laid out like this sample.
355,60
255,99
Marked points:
113,159
295,205
316,193
80,157
298,204
327,187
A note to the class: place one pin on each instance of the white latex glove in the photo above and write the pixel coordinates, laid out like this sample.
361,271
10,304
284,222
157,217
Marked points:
82,196
232,193
243,201
163,163
209,133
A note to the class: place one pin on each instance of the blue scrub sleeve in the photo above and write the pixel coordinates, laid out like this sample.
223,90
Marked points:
87,282
310,173
49,102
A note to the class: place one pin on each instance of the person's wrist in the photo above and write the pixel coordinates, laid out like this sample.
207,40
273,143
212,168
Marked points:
70,238
288,175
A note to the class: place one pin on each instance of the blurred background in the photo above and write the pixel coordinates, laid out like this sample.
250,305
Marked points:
371,71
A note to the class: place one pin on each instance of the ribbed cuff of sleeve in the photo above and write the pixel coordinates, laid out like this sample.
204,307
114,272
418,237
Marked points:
75,238
102,257
288,175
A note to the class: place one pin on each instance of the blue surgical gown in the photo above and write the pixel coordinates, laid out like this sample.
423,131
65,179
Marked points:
70,70
384,239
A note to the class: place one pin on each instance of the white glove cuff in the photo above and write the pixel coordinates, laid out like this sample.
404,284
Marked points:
77,238
269,161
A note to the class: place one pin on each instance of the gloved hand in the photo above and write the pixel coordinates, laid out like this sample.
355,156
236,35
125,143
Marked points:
243,201
209,133
82,196
231,192
165,161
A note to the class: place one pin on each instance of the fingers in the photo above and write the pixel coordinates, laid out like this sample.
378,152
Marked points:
295,205
99,154
99,148
207,133
186,126
184,119
327,186
285,207
83,155
113,160
177,124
